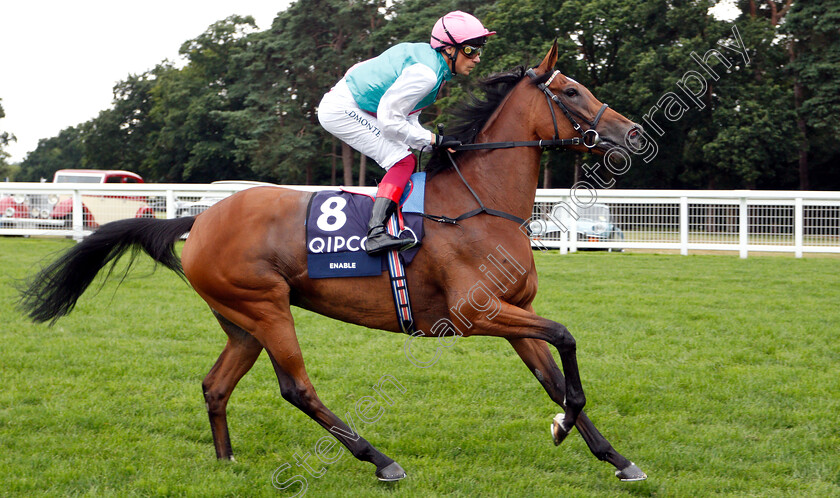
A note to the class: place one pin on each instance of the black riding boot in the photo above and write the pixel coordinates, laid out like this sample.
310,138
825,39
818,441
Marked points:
378,239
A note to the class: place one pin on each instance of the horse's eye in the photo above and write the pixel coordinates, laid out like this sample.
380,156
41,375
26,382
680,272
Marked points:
571,92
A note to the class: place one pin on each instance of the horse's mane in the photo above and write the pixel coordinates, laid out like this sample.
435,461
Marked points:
471,115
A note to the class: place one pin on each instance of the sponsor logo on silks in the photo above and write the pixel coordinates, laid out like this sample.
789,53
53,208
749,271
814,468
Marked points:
363,121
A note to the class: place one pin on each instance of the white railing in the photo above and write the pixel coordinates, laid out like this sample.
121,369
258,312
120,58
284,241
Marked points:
679,220
76,209
685,220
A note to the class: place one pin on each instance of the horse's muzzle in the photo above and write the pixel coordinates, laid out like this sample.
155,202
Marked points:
633,138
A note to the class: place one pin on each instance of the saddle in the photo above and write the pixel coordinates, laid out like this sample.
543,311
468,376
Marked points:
336,225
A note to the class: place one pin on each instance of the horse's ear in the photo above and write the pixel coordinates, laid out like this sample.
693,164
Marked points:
550,59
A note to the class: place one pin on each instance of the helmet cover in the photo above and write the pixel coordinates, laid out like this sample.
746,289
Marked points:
455,28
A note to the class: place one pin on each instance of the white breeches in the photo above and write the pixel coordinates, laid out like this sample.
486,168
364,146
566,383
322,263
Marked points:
340,115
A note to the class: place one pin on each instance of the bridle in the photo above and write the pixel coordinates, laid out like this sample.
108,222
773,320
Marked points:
588,138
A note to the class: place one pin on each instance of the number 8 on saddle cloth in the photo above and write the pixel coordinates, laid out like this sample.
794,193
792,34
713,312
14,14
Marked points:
336,225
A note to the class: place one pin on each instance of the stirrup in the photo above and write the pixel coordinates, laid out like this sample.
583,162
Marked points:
384,242
413,235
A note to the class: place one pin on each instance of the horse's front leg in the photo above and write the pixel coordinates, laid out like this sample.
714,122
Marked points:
537,357
500,319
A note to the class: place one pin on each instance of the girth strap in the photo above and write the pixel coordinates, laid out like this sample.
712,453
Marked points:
399,282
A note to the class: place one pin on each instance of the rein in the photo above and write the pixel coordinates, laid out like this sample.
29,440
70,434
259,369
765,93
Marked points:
589,138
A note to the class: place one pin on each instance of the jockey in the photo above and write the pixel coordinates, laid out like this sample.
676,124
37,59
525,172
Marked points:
375,109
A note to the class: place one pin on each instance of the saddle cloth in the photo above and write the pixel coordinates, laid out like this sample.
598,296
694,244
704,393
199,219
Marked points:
336,226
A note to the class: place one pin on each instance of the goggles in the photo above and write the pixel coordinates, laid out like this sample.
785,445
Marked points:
471,51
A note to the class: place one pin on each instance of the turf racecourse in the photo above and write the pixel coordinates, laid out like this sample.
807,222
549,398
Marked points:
716,375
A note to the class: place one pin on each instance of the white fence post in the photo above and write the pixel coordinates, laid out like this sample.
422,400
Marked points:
78,216
565,240
684,226
743,227
170,204
798,227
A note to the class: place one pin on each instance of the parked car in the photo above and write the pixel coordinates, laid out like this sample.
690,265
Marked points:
26,210
100,209
50,210
594,224
96,176
193,208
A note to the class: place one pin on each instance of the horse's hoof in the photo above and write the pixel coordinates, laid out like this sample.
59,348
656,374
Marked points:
558,430
631,473
392,472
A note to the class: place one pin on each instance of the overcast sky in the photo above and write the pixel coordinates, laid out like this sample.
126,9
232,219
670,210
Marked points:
60,60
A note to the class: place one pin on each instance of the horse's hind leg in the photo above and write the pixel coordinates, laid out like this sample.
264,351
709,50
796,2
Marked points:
278,336
239,355
537,356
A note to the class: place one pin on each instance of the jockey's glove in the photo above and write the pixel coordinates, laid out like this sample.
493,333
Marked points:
446,141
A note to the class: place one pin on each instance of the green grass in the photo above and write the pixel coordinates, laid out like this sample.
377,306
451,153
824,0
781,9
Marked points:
716,375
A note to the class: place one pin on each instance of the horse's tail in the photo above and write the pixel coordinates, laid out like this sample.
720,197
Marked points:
53,292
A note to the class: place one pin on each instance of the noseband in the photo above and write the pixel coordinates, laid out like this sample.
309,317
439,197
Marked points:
590,136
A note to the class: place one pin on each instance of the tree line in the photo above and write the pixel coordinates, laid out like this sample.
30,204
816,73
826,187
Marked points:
242,105
6,170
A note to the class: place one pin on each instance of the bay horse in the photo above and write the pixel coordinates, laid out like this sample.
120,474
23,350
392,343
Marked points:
246,257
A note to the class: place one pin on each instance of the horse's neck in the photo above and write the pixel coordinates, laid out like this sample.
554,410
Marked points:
505,179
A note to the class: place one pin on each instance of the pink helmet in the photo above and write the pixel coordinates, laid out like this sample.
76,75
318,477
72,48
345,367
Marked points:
456,28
